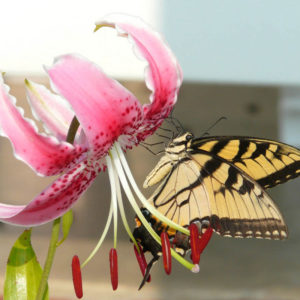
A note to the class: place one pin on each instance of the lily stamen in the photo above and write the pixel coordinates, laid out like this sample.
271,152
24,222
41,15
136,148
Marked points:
141,260
113,263
77,278
194,243
120,165
166,252
205,238
117,166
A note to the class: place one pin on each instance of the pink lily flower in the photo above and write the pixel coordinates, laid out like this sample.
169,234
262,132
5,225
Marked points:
107,112
110,120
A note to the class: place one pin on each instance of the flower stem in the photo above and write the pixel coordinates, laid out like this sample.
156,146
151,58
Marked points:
55,227
49,259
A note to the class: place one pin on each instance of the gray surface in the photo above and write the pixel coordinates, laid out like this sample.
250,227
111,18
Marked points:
230,269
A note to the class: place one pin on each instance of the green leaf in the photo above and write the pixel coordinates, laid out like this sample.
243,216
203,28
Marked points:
67,221
23,272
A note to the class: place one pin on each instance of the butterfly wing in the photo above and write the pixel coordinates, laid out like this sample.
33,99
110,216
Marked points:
266,161
204,188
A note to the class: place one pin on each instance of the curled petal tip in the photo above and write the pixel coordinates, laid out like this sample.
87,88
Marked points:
195,269
97,27
163,75
100,25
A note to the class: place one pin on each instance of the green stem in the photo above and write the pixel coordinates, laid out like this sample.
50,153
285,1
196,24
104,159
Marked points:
49,259
55,227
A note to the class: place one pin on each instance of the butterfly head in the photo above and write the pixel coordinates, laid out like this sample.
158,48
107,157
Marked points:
180,144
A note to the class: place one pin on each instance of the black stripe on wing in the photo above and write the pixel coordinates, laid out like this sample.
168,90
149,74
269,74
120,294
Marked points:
268,162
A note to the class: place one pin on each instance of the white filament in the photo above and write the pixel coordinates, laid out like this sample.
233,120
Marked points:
121,209
119,165
116,165
141,196
101,238
113,186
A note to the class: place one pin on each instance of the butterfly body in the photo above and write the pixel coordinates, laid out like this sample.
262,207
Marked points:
179,241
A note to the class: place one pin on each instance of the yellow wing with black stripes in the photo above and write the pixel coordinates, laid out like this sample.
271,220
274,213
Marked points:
266,161
220,181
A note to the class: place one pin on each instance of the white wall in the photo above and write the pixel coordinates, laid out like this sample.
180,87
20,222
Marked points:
249,41
33,32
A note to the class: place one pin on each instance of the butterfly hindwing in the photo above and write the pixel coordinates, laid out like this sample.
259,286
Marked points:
203,188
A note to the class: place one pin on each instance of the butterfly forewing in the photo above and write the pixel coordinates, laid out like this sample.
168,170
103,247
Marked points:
268,162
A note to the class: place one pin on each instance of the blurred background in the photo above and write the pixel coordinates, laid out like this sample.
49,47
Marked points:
240,59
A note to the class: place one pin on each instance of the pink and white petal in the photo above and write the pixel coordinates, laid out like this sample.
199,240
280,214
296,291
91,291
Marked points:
45,155
104,108
54,111
164,75
54,201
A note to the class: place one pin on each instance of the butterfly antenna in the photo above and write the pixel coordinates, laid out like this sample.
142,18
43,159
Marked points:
163,136
153,144
148,269
175,122
145,145
206,132
166,129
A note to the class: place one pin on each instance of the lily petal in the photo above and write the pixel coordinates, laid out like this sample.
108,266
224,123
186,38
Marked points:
45,155
54,201
51,109
164,75
104,108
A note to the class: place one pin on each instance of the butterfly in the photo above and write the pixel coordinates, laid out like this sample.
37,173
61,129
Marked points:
219,182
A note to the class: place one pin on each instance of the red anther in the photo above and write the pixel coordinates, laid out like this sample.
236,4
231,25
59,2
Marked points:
113,263
141,261
195,243
205,239
77,279
166,252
